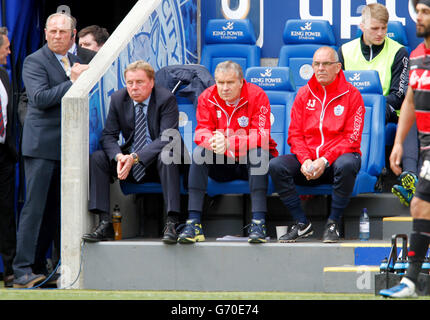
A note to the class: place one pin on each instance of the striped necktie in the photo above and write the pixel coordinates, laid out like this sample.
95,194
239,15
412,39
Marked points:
140,139
1,121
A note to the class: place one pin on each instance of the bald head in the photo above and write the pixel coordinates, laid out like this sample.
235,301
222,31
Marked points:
326,65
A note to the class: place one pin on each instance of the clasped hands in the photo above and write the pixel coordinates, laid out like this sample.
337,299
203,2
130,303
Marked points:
313,169
124,165
218,142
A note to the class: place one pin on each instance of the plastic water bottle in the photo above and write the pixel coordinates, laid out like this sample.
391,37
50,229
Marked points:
364,226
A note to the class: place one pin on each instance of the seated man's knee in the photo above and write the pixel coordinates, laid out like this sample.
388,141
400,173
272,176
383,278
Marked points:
283,166
258,160
275,167
202,155
347,164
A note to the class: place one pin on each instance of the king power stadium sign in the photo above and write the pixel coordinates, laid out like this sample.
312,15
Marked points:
269,16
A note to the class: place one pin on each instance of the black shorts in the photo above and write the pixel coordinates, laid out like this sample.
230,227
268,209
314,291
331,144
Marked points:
423,186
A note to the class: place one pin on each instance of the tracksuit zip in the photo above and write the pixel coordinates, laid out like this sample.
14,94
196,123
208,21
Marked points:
323,109
227,116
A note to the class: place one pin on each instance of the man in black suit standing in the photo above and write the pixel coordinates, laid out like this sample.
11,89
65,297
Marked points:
47,74
8,158
143,112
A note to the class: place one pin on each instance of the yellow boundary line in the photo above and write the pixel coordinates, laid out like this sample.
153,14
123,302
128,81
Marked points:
397,219
352,269
366,245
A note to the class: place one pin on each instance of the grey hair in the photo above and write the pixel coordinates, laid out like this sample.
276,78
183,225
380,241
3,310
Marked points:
60,14
335,54
230,65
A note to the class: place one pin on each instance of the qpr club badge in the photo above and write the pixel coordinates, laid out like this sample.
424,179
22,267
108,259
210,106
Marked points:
243,121
338,110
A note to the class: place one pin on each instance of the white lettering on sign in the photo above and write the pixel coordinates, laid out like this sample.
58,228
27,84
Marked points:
327,13
346,19
241,12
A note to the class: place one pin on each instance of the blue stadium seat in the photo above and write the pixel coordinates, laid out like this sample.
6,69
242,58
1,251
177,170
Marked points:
373,137
278,84
187,122
230,40
301,39
396,31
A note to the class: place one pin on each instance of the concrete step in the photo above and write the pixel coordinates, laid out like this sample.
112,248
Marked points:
223,266
350,279
396,225
358,277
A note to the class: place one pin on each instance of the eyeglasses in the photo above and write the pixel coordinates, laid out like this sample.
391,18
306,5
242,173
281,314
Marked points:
325,64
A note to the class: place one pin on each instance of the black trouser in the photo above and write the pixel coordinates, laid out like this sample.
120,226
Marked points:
102,172
411,153
40,216
7,217
285,173
220,170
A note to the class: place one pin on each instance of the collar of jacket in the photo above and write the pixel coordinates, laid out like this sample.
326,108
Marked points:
216,99
375,48
338,86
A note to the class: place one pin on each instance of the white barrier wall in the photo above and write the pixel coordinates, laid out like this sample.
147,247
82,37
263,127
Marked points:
75,219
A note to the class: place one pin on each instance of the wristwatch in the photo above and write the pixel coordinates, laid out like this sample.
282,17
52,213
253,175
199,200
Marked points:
135,158
326,162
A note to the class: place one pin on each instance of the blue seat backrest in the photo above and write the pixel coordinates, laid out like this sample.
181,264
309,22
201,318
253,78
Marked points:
373,138
396,31
366,81
280,89
301,39
187,122
233,40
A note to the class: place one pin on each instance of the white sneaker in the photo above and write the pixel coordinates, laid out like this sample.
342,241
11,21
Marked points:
406,289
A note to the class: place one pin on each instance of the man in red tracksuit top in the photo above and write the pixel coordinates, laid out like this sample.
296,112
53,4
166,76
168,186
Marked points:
325,135
233,142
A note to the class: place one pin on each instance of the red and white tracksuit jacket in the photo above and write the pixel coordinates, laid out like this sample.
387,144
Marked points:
326,121
246,126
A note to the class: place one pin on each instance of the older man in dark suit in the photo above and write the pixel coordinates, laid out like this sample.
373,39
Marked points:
8,158
142,112
47,74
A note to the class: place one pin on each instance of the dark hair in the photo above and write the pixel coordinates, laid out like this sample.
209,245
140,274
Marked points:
415,3
3,32
100,34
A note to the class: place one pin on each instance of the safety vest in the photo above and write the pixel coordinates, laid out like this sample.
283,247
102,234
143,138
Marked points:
354,60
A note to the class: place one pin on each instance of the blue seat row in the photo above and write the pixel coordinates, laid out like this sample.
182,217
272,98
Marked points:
235,40
277,83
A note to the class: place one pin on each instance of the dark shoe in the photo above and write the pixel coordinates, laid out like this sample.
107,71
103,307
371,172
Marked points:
103,232
8,281
257,231
331,232
192,232
28,280
297,231
169,234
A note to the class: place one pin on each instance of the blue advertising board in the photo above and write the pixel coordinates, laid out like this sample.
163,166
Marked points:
269,17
